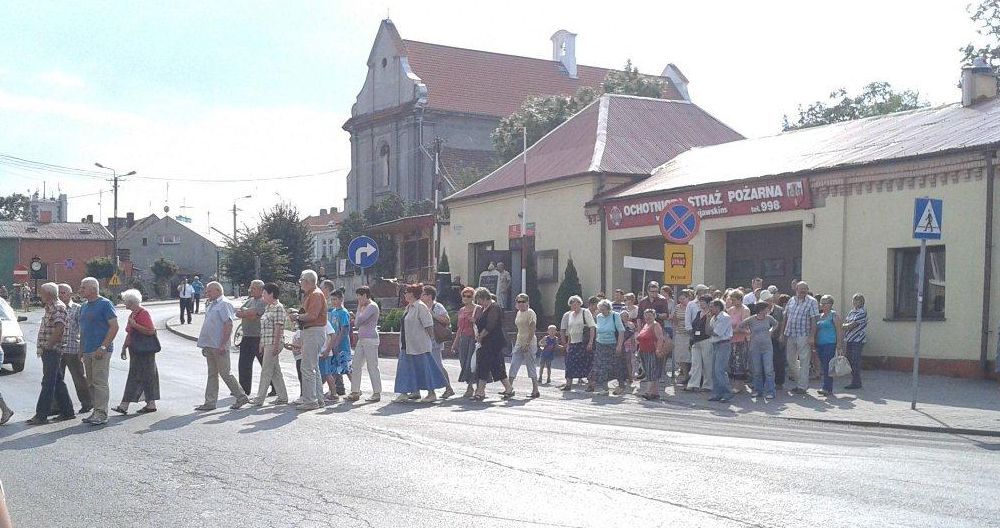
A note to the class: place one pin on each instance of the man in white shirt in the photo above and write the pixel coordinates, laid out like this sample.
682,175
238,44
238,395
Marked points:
722,333
750,299
692,309
186,292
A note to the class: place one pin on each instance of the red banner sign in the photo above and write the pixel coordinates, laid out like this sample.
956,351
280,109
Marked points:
720,202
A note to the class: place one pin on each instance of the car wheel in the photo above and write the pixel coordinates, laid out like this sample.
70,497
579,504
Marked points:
18,366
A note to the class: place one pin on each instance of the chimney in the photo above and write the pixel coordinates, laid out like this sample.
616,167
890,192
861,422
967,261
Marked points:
334,210
564,50
979,82
90,219
129,219
322,212
678,79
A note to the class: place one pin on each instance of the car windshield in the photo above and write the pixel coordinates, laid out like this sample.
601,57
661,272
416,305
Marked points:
6,313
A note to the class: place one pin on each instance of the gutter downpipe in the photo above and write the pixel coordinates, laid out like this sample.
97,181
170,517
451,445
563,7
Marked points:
988,264
604,250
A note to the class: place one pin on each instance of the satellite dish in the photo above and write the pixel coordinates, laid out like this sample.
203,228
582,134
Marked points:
166,208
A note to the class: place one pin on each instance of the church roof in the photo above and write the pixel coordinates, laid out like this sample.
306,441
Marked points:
617,134
495,84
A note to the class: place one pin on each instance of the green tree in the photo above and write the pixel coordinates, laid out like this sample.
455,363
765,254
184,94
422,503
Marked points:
389,208
284,225
443,265
569,286
15,207
539,115
419,208
239,261
100,268
877,98
350,228
629,81
534,294
986,18
163,269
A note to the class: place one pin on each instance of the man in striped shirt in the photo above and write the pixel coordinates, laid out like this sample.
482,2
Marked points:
801,314
855,335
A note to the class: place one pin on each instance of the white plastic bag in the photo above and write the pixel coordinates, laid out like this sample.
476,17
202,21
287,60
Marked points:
839,367
472,359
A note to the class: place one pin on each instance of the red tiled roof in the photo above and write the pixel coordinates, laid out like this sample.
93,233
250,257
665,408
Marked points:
322,222
494,84
616,134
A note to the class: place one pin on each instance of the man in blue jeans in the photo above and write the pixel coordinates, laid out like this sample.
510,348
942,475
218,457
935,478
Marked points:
198,288
50,337
722,333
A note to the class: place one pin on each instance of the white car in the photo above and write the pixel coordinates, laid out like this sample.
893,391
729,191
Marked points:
11,337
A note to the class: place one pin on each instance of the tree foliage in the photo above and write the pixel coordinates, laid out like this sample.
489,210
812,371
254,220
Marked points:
569,287
283,224
163,269
443,266
629,81
15,207
540,115
534,294
239,261
877,98
986,18
389,208
100,268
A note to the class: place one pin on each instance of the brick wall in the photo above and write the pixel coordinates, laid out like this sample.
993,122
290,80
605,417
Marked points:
55,252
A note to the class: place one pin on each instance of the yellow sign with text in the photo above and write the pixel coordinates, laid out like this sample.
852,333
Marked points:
678,263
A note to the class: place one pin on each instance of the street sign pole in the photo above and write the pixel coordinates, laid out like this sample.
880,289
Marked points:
920,313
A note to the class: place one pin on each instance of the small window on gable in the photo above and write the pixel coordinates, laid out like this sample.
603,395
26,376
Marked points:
384,62
144,241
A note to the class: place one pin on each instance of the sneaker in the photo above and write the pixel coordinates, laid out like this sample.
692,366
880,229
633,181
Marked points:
63,418
5,416
311,406
715,399
333,398
202,407
618,391
354,396
240,402
298,401
374,398
37,420
401,398
798,390
257,402
413,396
99,420
280,401
430,398
769,396
852,387
85,410
448,393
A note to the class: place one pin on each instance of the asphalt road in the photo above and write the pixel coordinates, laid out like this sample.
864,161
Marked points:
556,461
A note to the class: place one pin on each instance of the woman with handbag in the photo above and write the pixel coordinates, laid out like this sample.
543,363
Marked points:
442,334
141,346
577,330
654,346
416,369
489,358
829,341
465,343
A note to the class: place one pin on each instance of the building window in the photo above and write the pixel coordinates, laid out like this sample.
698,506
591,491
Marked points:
904,287
144,241
547,265
416,254
384,164
169,240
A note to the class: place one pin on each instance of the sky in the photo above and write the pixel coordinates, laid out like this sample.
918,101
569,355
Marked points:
212,101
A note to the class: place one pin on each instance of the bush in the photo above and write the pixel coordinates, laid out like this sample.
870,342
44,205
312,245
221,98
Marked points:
391,321
570,286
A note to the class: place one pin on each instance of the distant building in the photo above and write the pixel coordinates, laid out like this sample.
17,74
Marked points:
324,229
63,248
47,210
144,241
415,92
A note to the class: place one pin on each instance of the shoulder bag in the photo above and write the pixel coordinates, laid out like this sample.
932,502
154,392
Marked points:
144,344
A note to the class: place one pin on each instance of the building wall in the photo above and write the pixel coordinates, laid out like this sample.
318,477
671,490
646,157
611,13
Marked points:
55,252
859,217
193,254
556,208
8,259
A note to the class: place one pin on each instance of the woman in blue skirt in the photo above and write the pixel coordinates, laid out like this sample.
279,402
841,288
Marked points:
416,370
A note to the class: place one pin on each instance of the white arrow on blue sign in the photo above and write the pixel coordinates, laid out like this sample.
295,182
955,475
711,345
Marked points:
927,219
363,252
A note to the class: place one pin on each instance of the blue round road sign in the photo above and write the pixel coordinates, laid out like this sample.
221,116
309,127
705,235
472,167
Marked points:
679,222
363,252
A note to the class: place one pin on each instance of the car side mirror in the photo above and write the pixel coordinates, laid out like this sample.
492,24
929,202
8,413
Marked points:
22,318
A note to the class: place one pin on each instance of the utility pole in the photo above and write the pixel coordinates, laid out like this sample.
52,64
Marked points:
437,204
234,222
524,214
114,225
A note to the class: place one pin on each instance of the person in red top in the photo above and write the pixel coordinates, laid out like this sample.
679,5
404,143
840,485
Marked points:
653,344
143,379
464,343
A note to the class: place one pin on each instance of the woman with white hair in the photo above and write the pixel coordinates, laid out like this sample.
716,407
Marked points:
140,350
610,341
578,338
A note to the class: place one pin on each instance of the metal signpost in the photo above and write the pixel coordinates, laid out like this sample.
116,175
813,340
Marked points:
679,223
926,226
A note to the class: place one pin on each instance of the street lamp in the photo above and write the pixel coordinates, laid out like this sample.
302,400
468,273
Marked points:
234,214
114,226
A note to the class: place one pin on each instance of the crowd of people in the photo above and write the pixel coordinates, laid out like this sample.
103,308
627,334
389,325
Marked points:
752,340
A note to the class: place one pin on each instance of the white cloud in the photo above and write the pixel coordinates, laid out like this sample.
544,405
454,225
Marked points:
61,79
68,110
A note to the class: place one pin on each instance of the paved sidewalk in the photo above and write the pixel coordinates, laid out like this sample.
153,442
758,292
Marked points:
951,405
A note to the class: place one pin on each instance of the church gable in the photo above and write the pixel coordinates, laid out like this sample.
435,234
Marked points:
390,82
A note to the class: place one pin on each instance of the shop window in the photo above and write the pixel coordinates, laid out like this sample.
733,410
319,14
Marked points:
904,286
547,265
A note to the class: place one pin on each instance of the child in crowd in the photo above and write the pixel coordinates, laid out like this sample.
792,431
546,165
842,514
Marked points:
547,350
296,347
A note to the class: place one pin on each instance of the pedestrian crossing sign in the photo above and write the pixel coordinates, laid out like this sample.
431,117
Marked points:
115,281
927,219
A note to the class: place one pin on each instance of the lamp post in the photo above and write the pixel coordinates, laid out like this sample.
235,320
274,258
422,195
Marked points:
114,225
234,214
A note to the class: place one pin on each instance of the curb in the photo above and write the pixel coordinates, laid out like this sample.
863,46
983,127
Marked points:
171,327
860,423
